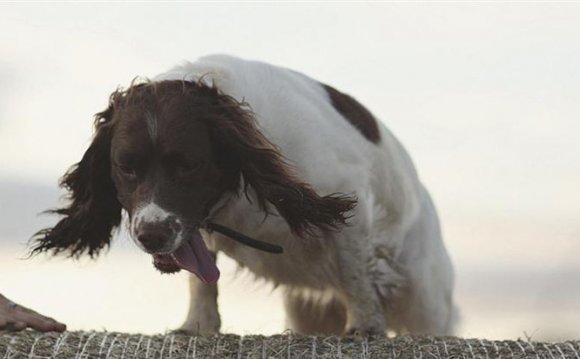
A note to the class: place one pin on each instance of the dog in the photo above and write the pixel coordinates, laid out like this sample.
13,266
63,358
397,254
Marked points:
277,157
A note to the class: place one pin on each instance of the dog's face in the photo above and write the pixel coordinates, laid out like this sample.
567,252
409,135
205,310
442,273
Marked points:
166,171
167,152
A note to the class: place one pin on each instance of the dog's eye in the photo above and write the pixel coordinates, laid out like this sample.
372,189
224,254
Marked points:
187,169
127,170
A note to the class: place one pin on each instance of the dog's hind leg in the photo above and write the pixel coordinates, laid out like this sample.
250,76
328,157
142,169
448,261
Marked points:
314,313
428,308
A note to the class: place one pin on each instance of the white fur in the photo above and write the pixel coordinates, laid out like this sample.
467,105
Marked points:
153,213
388,269
150,213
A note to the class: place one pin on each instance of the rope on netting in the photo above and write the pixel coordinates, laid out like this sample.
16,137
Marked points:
125,345
313,347
162,347
138,346
548,350
84,345
574,350
111,346
148,346
80,344
482,343
102,346
36,339
80,356
240,346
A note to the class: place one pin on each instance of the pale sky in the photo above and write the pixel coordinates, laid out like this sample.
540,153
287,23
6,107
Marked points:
485,96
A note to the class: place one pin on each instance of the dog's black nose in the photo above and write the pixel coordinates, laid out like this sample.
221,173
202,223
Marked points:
155,236
152,242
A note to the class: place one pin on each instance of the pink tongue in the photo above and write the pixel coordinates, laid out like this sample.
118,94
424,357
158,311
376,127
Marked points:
193,256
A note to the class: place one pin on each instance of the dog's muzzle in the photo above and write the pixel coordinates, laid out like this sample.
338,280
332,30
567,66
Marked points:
158,237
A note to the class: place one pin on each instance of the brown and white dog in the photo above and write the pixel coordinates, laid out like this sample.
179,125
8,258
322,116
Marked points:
279,157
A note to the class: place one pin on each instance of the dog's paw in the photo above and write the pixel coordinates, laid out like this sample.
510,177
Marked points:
202,325
198,330
371,324
195,331
181,331
365,331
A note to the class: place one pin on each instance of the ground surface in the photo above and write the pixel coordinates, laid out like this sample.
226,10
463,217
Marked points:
81,345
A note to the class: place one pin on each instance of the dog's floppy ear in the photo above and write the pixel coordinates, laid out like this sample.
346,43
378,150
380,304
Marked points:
248,152
93,209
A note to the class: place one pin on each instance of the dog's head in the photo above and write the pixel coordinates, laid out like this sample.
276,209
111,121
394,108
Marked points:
167,152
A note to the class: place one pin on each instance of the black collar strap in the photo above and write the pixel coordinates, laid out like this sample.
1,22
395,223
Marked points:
237,236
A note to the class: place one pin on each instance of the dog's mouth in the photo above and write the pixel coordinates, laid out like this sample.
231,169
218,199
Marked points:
193,256
165,263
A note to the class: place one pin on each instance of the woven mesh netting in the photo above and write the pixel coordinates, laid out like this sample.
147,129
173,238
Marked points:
81,345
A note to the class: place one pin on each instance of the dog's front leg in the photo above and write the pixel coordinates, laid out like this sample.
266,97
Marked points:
364,307
203,317
364,310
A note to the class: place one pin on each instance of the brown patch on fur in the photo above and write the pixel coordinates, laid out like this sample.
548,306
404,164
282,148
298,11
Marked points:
355,113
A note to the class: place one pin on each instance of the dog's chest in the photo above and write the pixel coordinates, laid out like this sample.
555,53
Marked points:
308,262
303,263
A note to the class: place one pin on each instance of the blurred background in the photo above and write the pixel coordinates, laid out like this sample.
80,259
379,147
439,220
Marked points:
485,96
